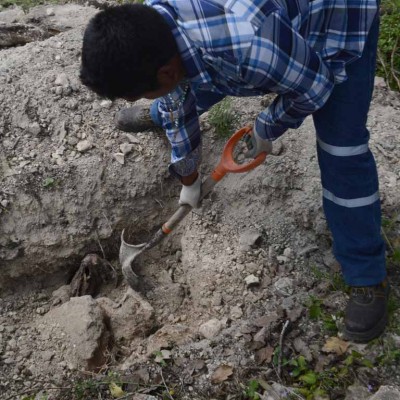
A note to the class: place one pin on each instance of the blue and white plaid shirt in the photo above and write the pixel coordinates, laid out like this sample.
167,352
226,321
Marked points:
295,48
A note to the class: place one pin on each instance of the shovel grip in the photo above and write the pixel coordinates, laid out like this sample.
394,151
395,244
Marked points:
185,209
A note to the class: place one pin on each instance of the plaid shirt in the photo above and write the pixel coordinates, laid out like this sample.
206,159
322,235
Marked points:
295,48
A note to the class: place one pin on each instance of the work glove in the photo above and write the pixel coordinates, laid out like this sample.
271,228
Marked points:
191,194
256,144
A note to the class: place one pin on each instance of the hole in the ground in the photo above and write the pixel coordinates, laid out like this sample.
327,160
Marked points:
15,35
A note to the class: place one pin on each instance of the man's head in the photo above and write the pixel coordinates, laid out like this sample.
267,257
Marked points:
129,52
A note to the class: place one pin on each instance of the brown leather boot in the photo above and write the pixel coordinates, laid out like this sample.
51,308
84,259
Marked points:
134,119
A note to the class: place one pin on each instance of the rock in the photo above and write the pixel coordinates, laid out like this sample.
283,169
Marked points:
126,148
11,15
61,295
357,392
132,139
120,158
249,239
61,80
236,312
284,286
106,103
132,318
83,146
387,393
143,397
252,280
79,322
169,335
380,82
302,348
211,328
288,252
50,12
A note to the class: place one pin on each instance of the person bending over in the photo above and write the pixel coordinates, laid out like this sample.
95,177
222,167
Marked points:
317,56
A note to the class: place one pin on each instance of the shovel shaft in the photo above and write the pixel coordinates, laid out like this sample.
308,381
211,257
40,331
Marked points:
185,209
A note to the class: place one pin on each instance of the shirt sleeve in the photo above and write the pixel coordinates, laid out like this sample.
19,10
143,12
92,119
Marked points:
180,122
282,62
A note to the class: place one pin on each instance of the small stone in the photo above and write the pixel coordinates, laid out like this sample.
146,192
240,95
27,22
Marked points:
106,103
236,312
211,328
126,148
50,12
62,80
284,286
119,157
34,128
83,146
249,239
132,139
252,280
288,252
4,203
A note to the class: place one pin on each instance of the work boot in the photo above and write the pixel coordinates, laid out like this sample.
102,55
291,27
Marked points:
366,312
134,119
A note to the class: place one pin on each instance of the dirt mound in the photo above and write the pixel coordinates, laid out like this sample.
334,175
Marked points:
214,296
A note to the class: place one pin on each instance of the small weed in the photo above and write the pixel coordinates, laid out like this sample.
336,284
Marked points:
223,118
84,389
317,313
312,384
389,43
250,391
335,279
49,183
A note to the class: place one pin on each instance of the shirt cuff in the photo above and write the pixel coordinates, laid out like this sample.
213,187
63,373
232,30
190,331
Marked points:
269,132
188,164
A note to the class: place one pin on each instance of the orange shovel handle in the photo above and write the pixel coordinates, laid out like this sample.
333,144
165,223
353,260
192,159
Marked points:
228,164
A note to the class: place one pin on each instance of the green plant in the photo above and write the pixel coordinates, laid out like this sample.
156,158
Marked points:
222,117
317,313
389,43
312,384
250,391
49,182
85,389
335,279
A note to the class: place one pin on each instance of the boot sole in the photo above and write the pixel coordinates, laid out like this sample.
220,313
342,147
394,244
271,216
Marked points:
363,337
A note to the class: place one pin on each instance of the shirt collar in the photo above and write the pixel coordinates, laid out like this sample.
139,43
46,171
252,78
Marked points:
191,58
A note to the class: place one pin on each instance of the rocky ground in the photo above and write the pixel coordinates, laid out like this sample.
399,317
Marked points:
243,301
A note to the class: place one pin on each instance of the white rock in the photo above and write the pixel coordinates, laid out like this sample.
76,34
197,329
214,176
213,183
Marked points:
288,252
284,286
34,128
126,148
252,280
62,80
236,312
50,12
106,103
119,157
211,328
84,145
387,393
132,138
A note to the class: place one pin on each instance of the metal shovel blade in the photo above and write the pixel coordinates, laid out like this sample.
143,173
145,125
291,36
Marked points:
127,253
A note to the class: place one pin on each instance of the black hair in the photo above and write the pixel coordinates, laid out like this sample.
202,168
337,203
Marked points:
123,48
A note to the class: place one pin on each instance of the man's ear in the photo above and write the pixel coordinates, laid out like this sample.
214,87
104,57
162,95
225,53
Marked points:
171,73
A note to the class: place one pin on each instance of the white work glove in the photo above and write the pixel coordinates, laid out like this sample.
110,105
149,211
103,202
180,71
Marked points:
256,144
191,194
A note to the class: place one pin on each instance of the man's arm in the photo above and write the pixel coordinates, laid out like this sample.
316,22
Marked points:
282,62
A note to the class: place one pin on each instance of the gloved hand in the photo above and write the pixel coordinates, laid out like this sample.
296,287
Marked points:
256,144
190,194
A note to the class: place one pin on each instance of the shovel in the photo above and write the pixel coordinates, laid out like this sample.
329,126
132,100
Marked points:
128,252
